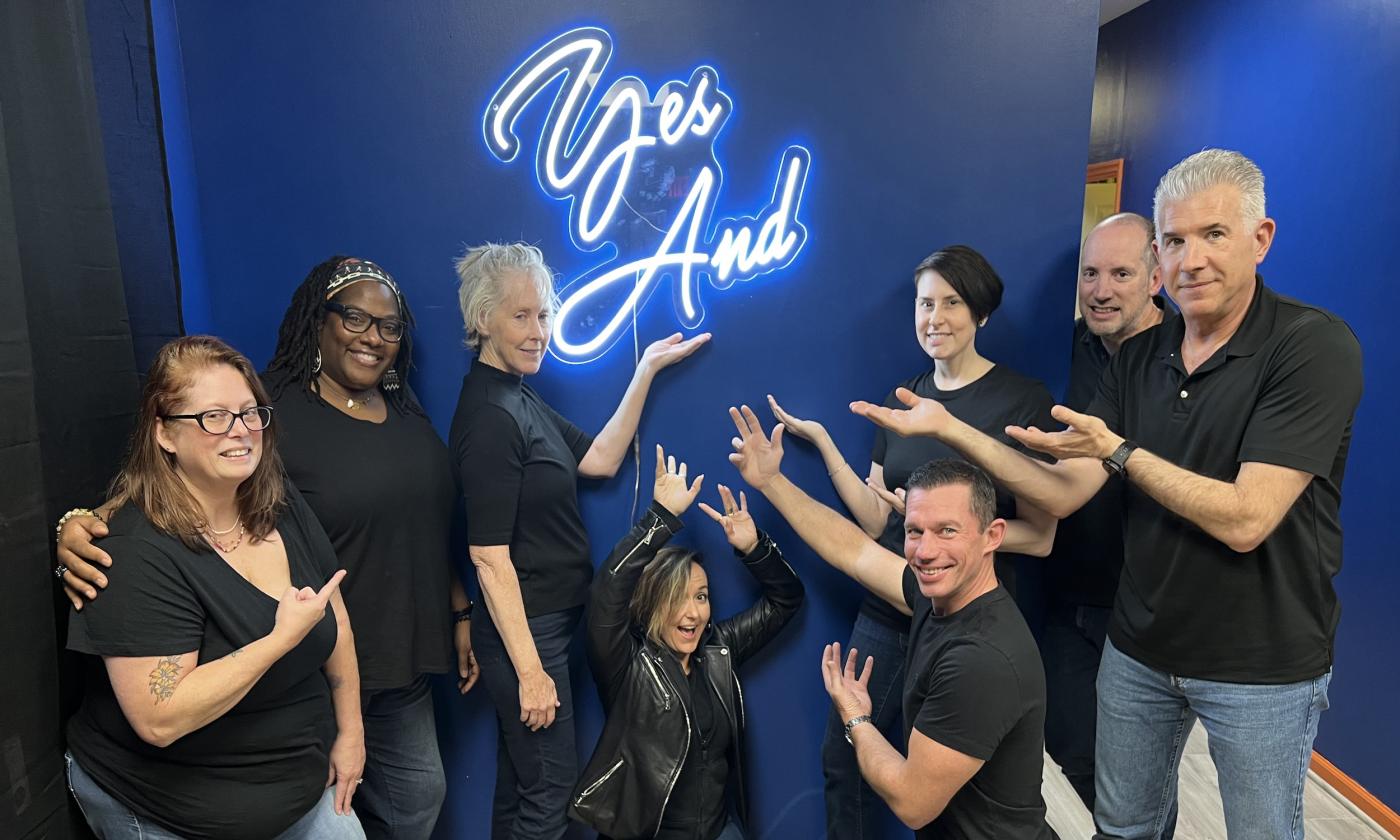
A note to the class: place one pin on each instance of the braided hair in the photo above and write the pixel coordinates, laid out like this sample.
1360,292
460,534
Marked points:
299,341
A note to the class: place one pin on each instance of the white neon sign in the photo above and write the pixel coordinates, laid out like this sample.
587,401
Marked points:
641,176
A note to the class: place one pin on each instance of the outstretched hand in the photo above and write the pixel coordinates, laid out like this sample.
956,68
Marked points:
850,693
1086,436
669,350
923,417
895,500
671,491
759,457
739,527
809,430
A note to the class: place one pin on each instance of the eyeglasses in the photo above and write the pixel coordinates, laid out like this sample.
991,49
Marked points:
358,321
218,421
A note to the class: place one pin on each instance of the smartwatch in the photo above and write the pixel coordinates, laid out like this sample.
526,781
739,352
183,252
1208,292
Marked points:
1117,463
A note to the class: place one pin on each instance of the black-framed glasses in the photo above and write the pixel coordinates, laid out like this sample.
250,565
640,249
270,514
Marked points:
358,321
218,421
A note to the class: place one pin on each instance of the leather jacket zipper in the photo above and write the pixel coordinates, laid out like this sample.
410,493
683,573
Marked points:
660,686
671,783
594,786
651,532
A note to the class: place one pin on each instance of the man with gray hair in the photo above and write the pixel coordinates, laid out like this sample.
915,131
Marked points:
1231,426
1118,299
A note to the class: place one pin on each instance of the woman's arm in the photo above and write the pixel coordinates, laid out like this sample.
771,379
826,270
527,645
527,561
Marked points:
611,444
467,670
500,587
343,674
1032,532
165,698
861,498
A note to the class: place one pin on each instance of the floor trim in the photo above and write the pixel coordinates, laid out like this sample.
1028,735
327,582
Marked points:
1350,790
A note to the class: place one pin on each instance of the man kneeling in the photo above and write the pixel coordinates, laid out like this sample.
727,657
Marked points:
974,690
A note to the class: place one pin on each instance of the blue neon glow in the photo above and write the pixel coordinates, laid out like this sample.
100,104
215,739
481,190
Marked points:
641,176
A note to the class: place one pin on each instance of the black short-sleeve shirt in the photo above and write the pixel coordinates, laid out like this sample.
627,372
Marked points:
1282,391
517,460
260,766
386,496
975,684
1088,553
1000,398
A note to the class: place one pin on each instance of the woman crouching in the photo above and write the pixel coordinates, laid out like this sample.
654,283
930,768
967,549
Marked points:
668,762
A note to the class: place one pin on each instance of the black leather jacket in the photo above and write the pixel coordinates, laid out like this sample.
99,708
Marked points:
624,790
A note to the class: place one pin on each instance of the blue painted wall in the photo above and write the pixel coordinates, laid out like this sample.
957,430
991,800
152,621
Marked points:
354,126
1310,89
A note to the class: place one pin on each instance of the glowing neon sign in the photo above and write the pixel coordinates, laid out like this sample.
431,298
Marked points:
640,175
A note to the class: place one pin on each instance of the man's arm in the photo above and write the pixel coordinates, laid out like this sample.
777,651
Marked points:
834,538
1058,489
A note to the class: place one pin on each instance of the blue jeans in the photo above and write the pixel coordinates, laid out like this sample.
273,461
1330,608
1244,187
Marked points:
404,784
111,820
1072,646
535,771
1260,740
853,810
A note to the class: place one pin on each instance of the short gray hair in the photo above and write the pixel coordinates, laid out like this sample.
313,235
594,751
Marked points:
481,272
1210,168
1149,256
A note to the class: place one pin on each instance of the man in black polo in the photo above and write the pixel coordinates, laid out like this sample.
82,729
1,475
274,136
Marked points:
1232,427
1118,299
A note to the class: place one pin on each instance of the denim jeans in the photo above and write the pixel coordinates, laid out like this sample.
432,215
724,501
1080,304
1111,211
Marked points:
853,810
111,820
1071,647
535,771
1260,740
404,784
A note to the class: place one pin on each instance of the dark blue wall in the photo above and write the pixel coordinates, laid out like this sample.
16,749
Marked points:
322,127
1310,91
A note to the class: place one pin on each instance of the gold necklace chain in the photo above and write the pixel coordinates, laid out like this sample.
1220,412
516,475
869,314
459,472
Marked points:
350,402
227,549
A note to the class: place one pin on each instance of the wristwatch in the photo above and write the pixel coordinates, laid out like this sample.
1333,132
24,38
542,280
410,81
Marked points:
1117,463
852,724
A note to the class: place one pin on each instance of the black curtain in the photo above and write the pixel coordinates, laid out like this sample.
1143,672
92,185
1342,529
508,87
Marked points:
68,368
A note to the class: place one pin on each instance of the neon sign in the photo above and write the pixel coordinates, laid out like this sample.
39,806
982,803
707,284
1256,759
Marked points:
640,176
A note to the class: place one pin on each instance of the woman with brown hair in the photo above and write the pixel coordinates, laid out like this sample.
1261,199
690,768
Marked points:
227,704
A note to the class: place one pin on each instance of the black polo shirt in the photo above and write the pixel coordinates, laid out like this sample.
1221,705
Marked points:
517,460
1282,391
1088,552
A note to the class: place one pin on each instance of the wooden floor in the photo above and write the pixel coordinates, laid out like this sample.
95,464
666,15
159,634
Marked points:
1326,815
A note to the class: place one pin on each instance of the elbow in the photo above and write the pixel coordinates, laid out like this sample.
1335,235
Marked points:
156,734
1059,507
916,815
1245,537
1044,543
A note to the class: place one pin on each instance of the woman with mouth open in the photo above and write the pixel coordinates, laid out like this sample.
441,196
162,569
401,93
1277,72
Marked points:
519,462
955,292
668,762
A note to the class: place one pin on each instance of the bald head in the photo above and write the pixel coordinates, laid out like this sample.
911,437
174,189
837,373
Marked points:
1117,279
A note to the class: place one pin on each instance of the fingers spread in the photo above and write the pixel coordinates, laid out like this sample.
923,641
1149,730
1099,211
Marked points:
712,513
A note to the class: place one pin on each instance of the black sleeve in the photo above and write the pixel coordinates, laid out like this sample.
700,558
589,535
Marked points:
323,555
147,609
782,597
973,700
578,441
1107,403
912,595
1035,411
877,452
1308,399
491,463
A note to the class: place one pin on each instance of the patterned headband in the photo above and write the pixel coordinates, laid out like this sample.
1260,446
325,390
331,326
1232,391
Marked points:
353,271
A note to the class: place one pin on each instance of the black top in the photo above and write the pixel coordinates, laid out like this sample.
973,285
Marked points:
385,494
1088,553
517,460
260,766
698,809
1001,398
1281,391
975,684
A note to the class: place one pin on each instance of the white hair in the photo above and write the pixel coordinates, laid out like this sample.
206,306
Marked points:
481,275
1210,168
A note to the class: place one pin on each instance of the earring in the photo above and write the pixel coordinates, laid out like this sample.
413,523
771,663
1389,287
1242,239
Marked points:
982,323
316,365
390,382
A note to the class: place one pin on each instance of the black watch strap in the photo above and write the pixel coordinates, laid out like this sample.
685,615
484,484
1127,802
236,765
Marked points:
1117,463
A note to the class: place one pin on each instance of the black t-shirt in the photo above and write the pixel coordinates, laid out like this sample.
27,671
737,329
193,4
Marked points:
517,460
698,809
260,766
385,495
1088,553
1282,391
1001,398
975,684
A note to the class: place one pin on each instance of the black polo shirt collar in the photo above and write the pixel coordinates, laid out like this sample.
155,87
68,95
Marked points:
1254,330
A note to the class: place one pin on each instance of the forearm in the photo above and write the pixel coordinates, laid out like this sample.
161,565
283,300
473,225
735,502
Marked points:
1050,487
1031,533
458,595
611,444
868,509
884,769
175,707
343,675
500,587
1219,508
825,531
